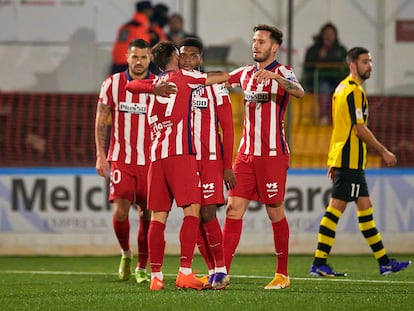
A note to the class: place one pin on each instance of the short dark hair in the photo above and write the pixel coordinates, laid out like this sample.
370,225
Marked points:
138,43
162,53
192,41
353,54
275,33
142,6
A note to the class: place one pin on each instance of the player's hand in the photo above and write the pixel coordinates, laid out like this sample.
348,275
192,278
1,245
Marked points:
102,167
389,158
165,89
263,75
229,179
331,174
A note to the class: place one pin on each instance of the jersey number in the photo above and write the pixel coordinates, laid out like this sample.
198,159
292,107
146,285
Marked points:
169,101
355,190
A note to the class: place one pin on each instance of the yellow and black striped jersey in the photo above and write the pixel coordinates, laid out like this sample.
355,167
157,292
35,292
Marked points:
349,107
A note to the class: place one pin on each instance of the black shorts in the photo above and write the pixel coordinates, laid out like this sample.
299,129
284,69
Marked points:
349,184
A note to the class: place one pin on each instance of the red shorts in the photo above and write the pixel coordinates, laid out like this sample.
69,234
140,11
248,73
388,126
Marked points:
171,178
211,174
261,179
128,182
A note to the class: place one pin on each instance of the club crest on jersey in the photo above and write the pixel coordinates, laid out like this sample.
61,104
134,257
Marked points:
222,90
135,108
254,96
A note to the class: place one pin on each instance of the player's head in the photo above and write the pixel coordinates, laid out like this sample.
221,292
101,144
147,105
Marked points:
138,58
143,6
266,42
275,34
360,62
165,54
191,50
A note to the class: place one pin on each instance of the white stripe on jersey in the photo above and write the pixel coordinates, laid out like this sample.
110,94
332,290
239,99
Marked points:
115,86
164,143
141,130
273,125
257,148
127,130
213,129
197,131
179,138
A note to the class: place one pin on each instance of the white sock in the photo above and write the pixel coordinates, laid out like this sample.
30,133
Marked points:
158,275
221,270
186,271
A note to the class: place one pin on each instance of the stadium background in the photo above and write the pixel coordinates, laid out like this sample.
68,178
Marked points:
50,73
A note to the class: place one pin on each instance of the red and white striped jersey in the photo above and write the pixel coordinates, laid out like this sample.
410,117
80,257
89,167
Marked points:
265,106
212,109
171,118
130,132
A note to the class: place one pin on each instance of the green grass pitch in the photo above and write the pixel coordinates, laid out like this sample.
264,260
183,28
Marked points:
91,283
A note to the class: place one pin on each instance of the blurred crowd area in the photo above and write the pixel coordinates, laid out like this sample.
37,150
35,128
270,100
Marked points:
56,130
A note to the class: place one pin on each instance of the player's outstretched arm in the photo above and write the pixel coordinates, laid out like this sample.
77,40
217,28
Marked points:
217,77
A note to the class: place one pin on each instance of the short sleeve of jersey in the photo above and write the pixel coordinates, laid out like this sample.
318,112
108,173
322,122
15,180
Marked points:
287,73
105,95
355,102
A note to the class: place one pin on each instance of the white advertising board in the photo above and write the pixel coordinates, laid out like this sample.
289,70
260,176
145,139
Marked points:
65,211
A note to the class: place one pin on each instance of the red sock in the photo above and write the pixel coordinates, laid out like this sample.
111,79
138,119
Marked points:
121,229
188,240
143,243
281,240
202,244
156,245
215,241
231,238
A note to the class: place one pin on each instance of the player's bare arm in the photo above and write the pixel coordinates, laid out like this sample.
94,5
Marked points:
365,134
101,128
217,77
292,87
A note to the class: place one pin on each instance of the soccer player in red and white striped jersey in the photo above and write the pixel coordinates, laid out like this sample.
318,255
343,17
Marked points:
128,160
173,172
212,110
263,156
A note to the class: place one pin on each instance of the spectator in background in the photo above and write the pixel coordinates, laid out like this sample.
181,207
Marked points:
138,27
326,60
159,20
176,32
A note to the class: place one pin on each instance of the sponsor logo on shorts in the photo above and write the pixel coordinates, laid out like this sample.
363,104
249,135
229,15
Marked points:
208,190
272,189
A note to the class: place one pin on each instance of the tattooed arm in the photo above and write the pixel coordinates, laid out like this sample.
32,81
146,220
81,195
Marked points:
101,131
294,88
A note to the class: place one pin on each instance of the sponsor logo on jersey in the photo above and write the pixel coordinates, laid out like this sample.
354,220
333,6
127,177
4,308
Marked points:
135,108
253,96
200,102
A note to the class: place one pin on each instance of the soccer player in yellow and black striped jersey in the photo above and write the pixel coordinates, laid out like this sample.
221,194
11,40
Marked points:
347,160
